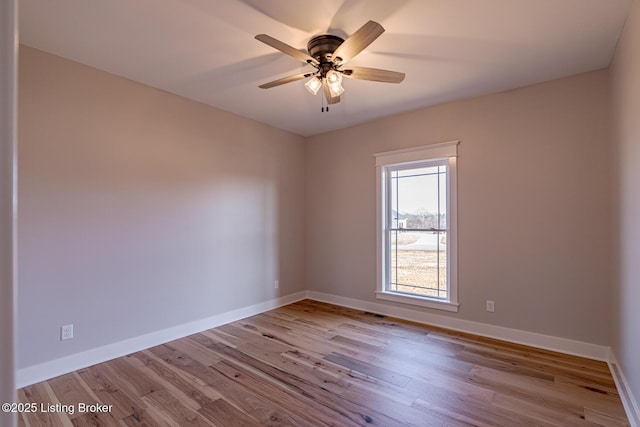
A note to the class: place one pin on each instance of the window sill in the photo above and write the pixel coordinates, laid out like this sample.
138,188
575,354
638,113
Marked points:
416,300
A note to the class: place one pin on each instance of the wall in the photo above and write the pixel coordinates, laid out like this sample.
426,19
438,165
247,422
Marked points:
140,210
8,58
625,108
533,200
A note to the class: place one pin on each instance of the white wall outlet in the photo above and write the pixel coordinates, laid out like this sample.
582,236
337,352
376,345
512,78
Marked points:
276,284
66,332
491,306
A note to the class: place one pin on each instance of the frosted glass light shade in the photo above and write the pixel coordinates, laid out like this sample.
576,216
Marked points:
313,85
334,77
335,89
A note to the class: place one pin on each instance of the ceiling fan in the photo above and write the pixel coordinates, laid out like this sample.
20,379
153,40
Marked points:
329,54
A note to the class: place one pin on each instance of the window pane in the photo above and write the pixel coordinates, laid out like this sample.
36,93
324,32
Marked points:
418,259
418,198
418,263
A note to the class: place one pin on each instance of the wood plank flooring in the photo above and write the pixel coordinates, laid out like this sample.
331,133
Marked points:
315,364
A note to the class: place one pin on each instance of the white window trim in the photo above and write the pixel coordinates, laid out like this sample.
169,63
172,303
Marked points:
417,155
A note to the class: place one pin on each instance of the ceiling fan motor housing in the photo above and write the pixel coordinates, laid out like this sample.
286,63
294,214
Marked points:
322,47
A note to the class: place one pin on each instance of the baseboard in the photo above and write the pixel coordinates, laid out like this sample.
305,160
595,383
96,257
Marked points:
562,345
44,371
626,395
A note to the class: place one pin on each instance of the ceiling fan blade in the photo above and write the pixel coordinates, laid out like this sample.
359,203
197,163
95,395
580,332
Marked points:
358,42
285,80
327,94
285,48
374,74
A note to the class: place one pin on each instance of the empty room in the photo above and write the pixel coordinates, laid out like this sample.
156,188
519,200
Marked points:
310,213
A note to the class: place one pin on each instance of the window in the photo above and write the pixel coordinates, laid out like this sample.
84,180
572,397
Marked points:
417,233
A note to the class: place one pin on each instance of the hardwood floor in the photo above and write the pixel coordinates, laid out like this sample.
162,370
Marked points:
314,364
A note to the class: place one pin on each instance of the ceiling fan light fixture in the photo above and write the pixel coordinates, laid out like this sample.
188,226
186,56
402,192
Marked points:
335,89
313,85
334,77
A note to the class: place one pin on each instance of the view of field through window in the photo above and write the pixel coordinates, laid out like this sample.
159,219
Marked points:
417,231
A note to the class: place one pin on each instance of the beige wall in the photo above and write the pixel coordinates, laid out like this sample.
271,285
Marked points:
141,210
8,59
533,199
625,90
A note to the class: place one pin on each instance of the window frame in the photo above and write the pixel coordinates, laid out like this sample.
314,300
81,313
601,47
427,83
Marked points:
406,158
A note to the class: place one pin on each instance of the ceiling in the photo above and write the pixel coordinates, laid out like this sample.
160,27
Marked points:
449,49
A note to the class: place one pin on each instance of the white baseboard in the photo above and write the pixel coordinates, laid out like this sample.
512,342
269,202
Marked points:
626,395
562,345
44,371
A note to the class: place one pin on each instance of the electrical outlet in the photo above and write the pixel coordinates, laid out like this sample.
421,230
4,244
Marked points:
66,332
276,284
491,306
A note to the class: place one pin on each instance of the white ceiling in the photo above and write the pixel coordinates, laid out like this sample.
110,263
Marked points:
450,49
